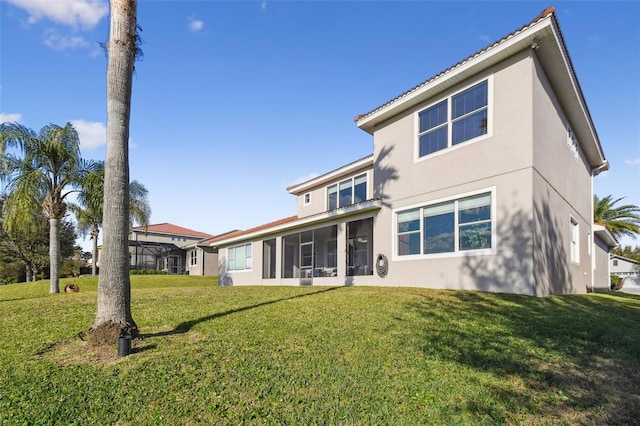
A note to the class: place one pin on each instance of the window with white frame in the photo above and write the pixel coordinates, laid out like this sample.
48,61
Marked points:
456,119
457,225
193,257
575,240
307,198
346,192
239,257
572,143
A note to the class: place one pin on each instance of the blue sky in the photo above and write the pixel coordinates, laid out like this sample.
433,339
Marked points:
235,101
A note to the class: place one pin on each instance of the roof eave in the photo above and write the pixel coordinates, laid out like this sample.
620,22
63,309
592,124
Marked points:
363,207
565,83
354,167
605,235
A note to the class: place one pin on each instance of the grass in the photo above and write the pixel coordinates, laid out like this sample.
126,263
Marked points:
320,355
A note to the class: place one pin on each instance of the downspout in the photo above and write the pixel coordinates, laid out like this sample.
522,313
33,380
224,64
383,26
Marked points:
595,172
202,269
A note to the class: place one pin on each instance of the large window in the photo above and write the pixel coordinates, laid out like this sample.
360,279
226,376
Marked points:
459,118
239,257
458,225
347,192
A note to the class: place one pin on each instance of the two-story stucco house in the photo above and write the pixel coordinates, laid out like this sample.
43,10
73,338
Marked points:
480,178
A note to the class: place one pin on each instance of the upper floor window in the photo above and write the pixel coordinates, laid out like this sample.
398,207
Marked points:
347,192
307,198
456,119
239,257
572,143
457,225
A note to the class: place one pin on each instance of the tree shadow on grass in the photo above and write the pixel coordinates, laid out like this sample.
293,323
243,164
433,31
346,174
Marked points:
575,359
184,327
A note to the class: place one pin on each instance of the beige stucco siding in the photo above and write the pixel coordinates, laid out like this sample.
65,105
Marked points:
400,175
318,194
601,280
500,162
568,173
206,261
508,269
562,191
555,272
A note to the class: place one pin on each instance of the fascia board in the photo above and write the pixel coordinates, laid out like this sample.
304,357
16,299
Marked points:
363,164
319,218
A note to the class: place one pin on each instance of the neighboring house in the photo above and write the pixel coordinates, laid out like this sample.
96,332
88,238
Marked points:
480,179
626,268
171,248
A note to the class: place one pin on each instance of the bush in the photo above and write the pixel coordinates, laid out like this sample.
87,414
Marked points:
147,272
616,282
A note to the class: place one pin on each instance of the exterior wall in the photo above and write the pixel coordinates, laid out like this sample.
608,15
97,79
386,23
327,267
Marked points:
206,261
254,275
561,191
501,162
601,279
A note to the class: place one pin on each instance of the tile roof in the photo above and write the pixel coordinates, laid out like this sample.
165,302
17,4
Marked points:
548,11
255,229
169,228
289,219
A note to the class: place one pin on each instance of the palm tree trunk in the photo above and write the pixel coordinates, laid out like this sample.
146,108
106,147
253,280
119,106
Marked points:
54,255
114,287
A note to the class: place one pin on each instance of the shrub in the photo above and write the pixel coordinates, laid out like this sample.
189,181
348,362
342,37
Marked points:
147,272
616,282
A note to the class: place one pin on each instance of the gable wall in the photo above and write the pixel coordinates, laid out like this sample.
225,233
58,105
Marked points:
562,190
318,194
501,162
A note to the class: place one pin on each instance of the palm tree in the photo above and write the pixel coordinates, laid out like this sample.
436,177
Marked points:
89,209
113,316
48,170
621,220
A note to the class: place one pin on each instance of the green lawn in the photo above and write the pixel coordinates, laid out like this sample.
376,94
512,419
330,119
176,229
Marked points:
320,355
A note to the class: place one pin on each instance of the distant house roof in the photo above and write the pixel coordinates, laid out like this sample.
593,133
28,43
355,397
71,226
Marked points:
544,36
171,229
615,256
